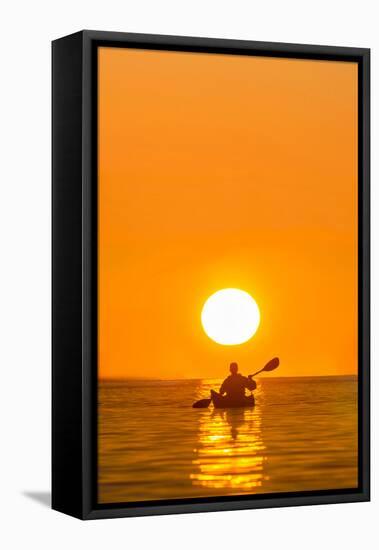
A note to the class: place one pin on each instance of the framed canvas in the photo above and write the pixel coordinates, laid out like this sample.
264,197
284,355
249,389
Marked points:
210,274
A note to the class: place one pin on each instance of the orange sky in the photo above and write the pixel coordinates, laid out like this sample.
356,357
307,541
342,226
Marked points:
226,171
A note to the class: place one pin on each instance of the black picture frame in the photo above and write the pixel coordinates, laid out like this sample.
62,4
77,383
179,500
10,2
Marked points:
74,253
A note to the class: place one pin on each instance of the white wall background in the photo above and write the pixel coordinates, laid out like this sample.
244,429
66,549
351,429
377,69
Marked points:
26,31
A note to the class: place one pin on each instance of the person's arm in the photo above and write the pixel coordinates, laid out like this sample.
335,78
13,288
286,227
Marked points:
250,384
222,388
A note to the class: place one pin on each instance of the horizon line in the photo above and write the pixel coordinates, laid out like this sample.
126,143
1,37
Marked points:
146,378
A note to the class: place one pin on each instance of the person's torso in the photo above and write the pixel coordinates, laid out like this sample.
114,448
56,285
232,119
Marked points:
235,385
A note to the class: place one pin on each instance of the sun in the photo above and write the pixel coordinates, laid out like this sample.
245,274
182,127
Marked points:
230,316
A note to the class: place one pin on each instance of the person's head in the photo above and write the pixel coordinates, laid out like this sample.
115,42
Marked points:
233,368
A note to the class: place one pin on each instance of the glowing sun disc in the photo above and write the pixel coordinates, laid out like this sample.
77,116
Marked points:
230,316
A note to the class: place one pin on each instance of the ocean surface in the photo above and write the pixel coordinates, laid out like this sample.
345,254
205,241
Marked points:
300,436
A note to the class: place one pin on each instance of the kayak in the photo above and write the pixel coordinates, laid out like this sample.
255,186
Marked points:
224,402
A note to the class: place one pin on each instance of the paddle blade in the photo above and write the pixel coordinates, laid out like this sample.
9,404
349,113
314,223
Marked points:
202,404
271,365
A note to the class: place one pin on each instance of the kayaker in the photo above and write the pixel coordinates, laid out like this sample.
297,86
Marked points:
235,385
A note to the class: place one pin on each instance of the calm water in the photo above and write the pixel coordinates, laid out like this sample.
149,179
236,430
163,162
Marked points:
301,435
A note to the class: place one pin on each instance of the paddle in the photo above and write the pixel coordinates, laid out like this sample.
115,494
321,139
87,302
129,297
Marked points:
202,404
270,366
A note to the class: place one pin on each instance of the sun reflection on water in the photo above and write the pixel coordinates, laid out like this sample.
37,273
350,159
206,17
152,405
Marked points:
230,453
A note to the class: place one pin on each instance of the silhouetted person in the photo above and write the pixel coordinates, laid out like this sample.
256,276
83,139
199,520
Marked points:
234,387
